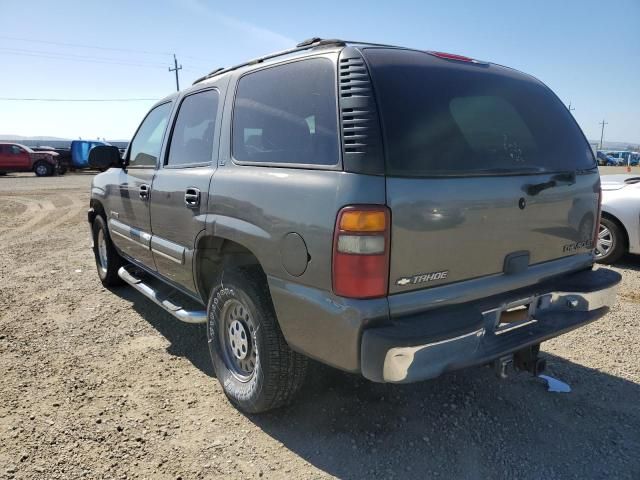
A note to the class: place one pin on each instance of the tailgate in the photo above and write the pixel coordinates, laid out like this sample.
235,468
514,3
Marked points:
486,170
448,230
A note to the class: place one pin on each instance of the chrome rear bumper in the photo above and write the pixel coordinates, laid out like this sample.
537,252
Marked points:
421,348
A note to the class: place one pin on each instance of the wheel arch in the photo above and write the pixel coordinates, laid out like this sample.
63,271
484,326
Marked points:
213,254
96,208
611,217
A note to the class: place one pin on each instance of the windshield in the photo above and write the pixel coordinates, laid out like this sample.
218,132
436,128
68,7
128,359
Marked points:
451,118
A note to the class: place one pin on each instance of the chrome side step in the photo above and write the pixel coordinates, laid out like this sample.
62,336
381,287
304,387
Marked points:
187,316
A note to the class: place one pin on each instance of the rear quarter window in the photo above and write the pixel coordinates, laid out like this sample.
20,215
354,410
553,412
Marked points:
450,118
287,114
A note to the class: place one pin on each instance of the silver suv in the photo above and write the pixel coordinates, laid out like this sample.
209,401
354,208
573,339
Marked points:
391,212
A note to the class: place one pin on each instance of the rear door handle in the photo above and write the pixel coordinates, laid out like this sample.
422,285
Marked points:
192,197
144,191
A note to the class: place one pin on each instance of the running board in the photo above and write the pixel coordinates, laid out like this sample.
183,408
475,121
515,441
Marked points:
187,316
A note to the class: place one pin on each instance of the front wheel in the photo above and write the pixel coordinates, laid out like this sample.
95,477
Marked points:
255,366
43,169
108,261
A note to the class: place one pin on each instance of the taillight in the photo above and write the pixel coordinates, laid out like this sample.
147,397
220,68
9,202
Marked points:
361,252
596,229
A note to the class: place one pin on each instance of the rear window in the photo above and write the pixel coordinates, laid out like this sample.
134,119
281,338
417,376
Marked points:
450,118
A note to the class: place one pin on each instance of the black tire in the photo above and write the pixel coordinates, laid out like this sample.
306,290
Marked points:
278,372
618,245
108,273
43,169
2,174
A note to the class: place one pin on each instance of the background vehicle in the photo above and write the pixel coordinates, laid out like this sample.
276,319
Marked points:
491,204
620,223
19,158
76,157
620,156
63,160
605,160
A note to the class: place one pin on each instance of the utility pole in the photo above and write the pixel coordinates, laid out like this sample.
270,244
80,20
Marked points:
571,108
603,123
175,69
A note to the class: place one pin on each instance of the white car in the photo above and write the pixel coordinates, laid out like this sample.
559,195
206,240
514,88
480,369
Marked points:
620,224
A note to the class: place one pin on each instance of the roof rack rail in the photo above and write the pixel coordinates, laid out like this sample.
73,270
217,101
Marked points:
305,45
208,75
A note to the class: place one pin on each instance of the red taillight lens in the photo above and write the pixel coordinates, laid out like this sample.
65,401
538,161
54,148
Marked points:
361,252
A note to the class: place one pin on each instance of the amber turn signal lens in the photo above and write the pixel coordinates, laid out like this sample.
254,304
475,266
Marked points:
363,221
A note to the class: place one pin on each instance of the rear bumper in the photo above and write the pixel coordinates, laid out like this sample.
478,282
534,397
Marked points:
424,346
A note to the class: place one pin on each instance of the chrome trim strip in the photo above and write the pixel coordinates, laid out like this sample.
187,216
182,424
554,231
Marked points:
168,249
168,257
123,230
127,237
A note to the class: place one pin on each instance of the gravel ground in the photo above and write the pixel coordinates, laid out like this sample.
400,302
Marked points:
103,384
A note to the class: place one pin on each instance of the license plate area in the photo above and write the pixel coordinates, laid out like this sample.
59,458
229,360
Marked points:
511,316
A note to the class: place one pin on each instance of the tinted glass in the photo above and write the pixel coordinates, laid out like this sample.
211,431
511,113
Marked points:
287,114
192,138
442,117
146,145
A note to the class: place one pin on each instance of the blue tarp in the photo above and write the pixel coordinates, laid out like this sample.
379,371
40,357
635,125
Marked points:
80,152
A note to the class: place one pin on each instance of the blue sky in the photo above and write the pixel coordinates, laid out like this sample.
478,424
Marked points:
587,51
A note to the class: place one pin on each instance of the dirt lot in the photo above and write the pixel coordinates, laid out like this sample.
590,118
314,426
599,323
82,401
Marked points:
103,384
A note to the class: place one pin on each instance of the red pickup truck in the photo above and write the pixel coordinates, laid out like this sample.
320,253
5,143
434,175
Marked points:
19,158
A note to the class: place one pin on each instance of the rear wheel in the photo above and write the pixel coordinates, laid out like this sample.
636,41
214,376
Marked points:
2,174
43,169
108,261
610,245
257,369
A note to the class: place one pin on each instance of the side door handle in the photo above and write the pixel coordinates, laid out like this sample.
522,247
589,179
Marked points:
144,191
192,197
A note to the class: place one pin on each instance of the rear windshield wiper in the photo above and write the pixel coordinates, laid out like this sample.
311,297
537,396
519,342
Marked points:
566,178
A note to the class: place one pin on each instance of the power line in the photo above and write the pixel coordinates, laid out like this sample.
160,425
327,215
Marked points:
76,58
97,47
82,58
18,99
79,45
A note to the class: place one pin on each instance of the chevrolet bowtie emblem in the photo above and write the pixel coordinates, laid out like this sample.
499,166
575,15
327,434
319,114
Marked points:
403,281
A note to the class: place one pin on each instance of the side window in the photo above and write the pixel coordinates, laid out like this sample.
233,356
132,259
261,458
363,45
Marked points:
287,114
16,150
146,145
192,137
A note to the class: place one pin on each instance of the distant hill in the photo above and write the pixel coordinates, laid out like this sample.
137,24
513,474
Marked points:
617,145
5,138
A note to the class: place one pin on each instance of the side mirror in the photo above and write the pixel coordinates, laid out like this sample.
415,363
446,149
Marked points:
103,157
